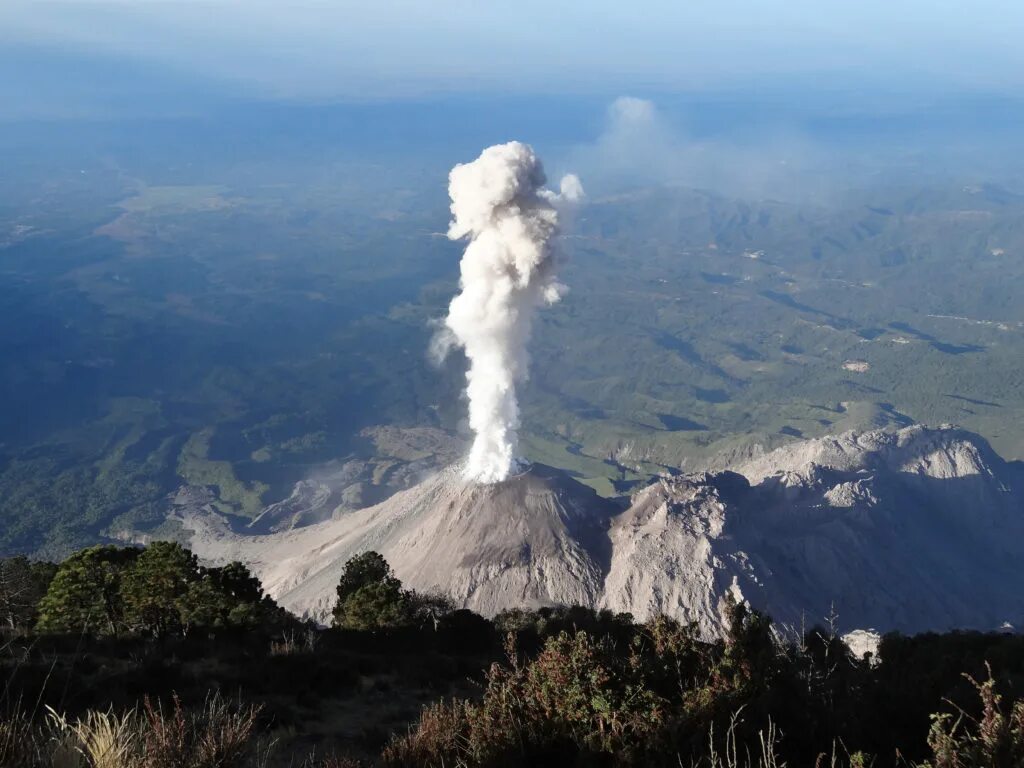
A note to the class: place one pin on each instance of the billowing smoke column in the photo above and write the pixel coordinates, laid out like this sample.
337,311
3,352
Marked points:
500,205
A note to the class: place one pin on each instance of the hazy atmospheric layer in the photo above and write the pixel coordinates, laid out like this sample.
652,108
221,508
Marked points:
507,271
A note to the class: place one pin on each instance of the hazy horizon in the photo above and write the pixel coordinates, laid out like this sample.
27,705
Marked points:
96,57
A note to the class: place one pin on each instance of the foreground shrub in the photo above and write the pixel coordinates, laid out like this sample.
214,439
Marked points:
217,736
996,740
664,697
577,695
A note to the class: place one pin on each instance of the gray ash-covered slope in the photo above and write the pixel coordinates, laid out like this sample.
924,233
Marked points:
912,529
401,458
539,538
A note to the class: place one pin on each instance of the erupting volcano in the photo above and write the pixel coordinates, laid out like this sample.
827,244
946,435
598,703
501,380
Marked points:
508,270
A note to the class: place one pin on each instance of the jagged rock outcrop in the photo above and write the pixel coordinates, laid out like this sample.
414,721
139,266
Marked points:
913,529
910,529
670,551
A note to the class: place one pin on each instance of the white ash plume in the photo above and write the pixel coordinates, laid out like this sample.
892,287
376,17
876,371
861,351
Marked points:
499,203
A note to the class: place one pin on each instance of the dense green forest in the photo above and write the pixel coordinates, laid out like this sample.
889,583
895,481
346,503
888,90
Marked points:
123,656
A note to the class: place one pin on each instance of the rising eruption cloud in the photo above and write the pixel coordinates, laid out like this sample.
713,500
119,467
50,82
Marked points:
507,272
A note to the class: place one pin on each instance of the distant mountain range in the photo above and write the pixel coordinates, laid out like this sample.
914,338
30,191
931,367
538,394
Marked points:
911,529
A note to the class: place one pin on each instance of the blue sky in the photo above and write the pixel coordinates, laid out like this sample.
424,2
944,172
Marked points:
401,49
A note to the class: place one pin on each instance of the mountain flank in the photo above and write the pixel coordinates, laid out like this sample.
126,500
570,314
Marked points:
911,529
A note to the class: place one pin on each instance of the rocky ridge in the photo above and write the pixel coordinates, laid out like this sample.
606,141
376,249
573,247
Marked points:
912,529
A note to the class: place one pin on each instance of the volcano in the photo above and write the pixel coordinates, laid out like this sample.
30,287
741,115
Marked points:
914,529
537,538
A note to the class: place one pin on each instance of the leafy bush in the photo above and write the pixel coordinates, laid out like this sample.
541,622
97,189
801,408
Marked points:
665,697
577,695
996,740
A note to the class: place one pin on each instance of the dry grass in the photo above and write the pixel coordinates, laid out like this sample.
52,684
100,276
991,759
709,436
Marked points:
60,748
217,735
292,643
17,740
108,740
733,755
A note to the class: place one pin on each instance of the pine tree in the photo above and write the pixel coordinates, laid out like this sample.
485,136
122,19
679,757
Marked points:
370,596
157,587
363,570
85,593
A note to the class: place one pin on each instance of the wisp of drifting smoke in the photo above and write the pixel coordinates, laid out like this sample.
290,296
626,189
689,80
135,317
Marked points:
507,271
